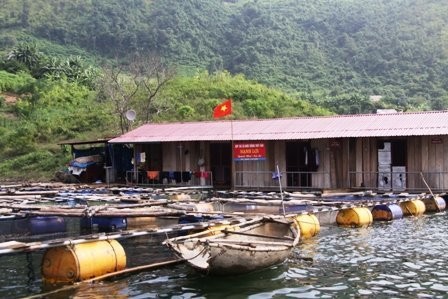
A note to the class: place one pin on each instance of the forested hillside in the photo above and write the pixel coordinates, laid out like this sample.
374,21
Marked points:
70,69
324,50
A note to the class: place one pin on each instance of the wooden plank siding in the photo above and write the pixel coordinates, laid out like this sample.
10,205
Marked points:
433,162
444,161
359,167
339,164
169,157
342,163
413,164
438,164
321,178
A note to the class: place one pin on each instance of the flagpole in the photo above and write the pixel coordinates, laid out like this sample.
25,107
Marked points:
231,151
281,191
222,110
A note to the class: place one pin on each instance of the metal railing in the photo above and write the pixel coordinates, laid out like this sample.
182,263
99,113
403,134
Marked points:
169,178
290,180
399,181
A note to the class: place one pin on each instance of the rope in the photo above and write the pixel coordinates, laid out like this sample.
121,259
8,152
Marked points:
202,251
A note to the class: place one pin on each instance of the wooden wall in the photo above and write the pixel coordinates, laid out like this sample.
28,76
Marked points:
337,159
366,165
425,154
428,155
321,178
263,167
182,156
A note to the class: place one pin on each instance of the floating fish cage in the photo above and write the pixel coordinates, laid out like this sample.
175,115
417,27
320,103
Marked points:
103,224
13,224
31,225
69,261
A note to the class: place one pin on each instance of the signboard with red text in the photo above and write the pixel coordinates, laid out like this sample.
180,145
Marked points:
249,151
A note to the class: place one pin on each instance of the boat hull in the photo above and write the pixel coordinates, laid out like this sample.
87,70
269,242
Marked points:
239,251
226,259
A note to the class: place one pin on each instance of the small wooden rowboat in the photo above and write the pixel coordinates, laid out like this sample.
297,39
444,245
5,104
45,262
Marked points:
236,249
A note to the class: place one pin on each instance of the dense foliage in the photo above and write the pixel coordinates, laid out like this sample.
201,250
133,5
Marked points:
323,50
36,113
194,97
43,109
275,58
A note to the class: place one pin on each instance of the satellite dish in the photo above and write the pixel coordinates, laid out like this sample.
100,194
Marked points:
131,114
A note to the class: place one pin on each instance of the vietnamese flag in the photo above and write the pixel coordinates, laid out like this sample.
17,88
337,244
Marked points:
223,109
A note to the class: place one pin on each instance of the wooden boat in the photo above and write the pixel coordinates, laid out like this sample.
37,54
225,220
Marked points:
236,249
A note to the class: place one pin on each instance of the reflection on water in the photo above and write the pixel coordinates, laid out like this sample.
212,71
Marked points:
401,259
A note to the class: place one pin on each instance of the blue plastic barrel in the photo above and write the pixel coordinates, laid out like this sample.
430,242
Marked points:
46,225
387,212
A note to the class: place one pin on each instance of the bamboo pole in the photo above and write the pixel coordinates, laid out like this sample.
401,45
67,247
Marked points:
427,186
108,275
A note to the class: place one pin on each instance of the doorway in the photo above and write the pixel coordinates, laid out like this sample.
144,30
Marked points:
300,161
221,164
392,160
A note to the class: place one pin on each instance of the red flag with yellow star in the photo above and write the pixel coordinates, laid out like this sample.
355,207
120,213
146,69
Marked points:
223,109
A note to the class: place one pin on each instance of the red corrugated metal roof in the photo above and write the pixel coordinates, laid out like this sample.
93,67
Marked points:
363,125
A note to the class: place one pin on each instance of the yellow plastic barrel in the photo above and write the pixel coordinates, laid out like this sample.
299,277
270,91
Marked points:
82,261
434,204
308,224
414,207
355,217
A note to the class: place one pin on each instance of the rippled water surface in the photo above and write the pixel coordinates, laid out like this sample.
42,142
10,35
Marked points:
401,259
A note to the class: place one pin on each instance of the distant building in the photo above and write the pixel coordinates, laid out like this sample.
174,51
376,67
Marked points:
386,111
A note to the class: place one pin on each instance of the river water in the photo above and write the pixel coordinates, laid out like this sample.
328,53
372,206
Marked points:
401,259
